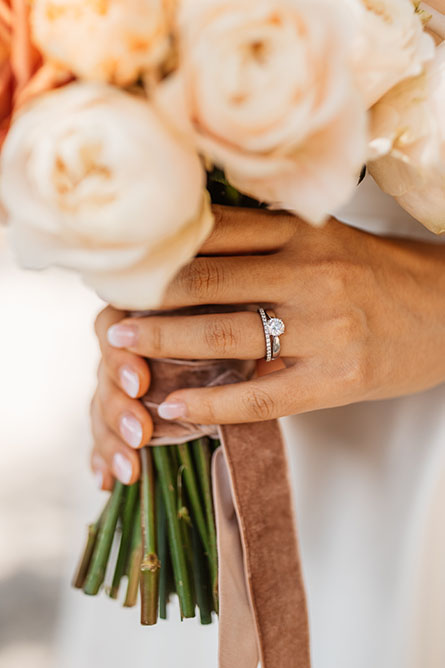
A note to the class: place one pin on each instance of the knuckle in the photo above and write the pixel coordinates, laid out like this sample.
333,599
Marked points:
96,420
355,374
259,404
219,336
218,217
334,274
109,403
208,410
350,327
97,323
203,278
155,339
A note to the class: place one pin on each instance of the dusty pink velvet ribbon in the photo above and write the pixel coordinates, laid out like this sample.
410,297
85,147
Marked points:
263,615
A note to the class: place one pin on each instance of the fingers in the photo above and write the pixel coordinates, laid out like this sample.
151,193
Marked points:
230,280
126,417
283,392
129,371
102,473
107,317
216,336
120,426
111,457
240,230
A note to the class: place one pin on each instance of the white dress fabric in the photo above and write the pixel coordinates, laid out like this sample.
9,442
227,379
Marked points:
369,487
369,490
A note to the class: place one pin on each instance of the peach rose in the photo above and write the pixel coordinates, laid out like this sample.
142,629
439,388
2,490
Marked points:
91,179
5,64
408,129
265,88
390,44
18,60
106,40
22,74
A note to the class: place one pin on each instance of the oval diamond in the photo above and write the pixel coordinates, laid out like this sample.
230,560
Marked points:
275,327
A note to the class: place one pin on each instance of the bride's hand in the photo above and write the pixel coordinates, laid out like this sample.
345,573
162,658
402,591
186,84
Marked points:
364,316
119,422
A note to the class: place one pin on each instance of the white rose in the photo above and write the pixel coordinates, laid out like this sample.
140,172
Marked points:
390,44
105,40
268,93
408,131
93,180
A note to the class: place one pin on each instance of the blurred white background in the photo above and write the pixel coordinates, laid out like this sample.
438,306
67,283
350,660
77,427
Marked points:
48,358
48,361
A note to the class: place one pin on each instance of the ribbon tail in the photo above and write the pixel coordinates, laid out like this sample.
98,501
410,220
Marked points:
263,613
237,632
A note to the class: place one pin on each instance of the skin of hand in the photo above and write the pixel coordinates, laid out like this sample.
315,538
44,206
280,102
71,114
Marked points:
364,316
437,4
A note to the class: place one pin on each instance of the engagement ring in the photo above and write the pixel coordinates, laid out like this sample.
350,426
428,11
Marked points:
273,329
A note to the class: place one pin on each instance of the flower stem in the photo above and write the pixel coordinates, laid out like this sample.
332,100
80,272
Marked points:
161,526
185,524
202,581
134,563
150,563
193,494
85,560
202,453
99,559
179,562
131,494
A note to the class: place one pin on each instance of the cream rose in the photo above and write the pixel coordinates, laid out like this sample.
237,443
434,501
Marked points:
104,40
93,180
408,131
390,44
267,91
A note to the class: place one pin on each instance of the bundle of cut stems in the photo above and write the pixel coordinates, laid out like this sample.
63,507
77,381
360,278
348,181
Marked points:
162,527
160,535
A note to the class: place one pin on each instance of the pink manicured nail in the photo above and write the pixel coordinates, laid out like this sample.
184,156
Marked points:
172,410
129,381
122,468
121,336
131,430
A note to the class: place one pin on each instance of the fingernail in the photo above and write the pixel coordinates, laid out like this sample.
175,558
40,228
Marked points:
129,381
172,410
99,478
122,468
131,430
121,336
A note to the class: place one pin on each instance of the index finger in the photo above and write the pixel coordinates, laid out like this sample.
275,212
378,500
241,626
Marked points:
107,317
127,370
239,230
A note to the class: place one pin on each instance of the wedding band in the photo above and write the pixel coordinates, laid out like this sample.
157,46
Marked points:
273,328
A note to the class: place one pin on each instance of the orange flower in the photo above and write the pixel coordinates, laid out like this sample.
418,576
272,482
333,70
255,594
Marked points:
120,40
22,72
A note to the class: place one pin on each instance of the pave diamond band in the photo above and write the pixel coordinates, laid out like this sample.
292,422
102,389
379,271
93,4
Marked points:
273,329
264,320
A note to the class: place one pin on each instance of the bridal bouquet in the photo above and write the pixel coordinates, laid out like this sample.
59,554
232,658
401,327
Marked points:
123,120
